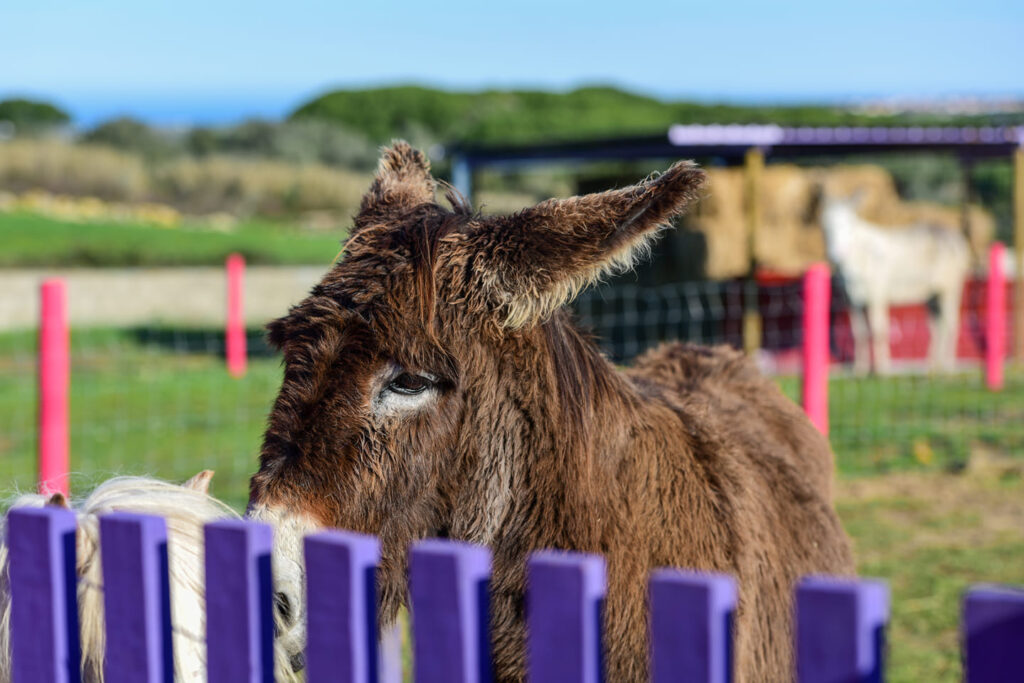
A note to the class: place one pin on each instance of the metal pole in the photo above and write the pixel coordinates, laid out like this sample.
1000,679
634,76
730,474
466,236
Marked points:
462,177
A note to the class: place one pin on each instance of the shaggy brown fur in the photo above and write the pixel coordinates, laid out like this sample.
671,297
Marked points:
525,436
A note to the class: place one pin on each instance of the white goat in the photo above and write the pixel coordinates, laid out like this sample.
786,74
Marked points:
882,266
186,508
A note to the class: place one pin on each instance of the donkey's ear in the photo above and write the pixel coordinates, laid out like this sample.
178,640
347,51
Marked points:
403,181
540,258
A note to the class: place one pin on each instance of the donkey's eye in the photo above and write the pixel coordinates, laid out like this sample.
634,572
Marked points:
409,384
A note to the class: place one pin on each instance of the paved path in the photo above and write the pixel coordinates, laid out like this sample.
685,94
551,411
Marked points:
132,296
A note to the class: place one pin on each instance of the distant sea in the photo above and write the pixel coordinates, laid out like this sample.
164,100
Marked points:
173,109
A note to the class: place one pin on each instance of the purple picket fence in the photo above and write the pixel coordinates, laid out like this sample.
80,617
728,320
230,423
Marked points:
133,554
565,592
691,626
839,629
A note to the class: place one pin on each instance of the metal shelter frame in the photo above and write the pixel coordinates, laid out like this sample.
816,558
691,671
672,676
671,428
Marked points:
750,145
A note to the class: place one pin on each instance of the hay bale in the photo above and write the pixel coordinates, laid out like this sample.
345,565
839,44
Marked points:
790,235
720,216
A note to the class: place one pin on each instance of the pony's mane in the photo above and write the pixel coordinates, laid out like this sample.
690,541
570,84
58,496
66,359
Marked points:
186,510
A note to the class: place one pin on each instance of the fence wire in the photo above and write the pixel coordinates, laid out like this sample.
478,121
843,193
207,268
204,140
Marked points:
913,417
145,400
157,398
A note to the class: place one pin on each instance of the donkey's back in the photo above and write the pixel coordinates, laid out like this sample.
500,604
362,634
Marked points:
748,491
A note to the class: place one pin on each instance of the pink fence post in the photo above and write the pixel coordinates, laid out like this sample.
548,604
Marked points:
234,337
54,384
817,293
995,318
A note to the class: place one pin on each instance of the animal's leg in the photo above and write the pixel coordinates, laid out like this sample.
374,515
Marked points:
936,338
861,340
948,325
878,315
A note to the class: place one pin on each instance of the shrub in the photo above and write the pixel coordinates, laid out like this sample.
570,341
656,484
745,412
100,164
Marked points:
30,116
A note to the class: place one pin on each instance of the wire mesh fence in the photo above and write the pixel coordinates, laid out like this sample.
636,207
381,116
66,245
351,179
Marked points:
146,400
157,398
914,416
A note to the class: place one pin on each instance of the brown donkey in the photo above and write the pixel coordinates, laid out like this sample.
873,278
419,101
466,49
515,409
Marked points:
434,386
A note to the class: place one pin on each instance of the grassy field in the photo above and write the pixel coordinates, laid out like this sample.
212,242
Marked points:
34,240
912,422
931,535
928,490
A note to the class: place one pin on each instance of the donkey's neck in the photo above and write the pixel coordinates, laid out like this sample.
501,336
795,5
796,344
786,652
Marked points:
556,441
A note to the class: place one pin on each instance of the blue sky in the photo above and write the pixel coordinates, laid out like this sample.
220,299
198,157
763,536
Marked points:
192,60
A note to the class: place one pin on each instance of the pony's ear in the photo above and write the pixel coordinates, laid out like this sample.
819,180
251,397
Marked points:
532,262
200,482
858,198
403,181
57,500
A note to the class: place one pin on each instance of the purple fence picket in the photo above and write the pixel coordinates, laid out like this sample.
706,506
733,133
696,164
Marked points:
342,617
565,597
133,551
239,602
44,604
448,584
691,626
840,629
993,635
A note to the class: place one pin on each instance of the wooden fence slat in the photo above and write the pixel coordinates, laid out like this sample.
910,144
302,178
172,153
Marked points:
448,584
137,609
239,602
44,603
993,632
691,626
341,607
565,598
840,630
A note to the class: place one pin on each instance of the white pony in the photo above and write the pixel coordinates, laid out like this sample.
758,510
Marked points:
186,508
881,267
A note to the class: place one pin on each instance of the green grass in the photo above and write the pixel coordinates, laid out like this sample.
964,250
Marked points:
161,402
33,240
899,423
142,402
931,536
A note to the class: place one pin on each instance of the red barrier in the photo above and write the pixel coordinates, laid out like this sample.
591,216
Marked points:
817,295
995,318
234,335
54,383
